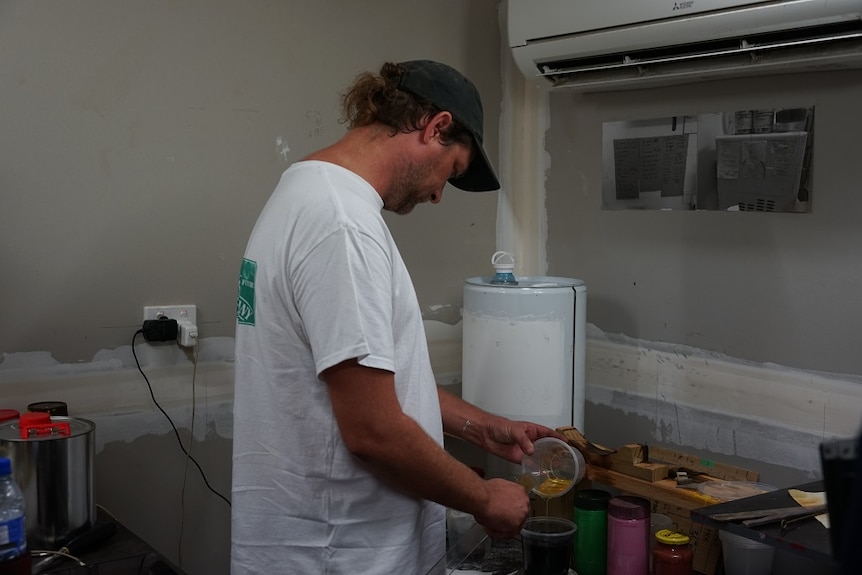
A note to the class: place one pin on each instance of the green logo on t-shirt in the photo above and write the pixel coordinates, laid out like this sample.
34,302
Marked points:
245,297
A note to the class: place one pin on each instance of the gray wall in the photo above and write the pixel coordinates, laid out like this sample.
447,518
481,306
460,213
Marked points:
769,296
761,287
139,141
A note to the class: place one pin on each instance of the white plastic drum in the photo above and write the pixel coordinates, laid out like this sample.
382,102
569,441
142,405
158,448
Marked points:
523,348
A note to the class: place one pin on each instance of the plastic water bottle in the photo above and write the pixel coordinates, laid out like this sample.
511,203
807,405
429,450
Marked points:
14,556
504,264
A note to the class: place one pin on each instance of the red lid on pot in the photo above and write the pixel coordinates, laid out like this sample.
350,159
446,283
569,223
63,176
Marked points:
39,424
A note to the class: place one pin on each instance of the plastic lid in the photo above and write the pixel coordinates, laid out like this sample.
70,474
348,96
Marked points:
554,467
50,407
548,529
5,466
671,537
592,499
35,418
629,507
503,262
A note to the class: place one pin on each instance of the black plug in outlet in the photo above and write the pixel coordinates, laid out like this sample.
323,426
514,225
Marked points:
162,329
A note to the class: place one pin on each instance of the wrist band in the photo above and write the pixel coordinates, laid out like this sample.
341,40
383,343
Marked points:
466,425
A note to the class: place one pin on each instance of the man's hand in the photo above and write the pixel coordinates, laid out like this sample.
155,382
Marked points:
511,440
507,509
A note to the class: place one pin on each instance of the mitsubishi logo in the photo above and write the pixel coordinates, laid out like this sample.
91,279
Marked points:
683,5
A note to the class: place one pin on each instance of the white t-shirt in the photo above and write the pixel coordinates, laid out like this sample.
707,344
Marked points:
323,282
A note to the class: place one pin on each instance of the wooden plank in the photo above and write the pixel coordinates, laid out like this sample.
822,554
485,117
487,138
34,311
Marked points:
647,471
664,491
702,465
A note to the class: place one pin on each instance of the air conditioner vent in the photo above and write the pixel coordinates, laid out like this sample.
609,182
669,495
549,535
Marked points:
833,46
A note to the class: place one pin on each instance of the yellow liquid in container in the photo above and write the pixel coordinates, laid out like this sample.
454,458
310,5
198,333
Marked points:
552,486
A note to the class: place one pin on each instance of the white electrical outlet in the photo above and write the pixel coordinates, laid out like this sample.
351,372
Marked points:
187,313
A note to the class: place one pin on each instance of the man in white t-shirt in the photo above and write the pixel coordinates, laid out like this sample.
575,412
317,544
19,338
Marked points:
338,464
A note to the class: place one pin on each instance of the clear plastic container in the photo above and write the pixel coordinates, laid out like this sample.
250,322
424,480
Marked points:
553,468
547,544
743,556
465,540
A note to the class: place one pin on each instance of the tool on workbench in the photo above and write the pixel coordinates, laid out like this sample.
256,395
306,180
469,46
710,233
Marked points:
788,524
686,479
757,517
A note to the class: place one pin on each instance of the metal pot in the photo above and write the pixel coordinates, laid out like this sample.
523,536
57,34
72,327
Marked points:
53,463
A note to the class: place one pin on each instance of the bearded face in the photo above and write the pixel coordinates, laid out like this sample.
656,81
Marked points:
418,181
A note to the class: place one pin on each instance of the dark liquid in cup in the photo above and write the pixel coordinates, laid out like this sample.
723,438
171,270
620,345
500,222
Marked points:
541,558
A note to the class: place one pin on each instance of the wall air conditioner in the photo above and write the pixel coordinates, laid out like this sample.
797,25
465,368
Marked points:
592,45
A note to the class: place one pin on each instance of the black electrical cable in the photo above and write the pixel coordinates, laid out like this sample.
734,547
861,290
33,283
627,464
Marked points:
177,433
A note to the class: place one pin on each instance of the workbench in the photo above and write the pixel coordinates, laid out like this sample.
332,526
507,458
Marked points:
124,553
808,538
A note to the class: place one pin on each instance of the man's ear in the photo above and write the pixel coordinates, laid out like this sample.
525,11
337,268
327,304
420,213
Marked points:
437,125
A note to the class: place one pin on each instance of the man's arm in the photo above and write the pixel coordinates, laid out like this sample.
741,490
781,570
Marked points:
401,454
503,437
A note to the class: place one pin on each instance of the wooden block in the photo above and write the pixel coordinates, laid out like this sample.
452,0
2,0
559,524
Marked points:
631,454
593,453
647,471
702,465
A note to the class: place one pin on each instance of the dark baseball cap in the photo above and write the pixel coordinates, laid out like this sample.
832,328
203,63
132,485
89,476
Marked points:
450,91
